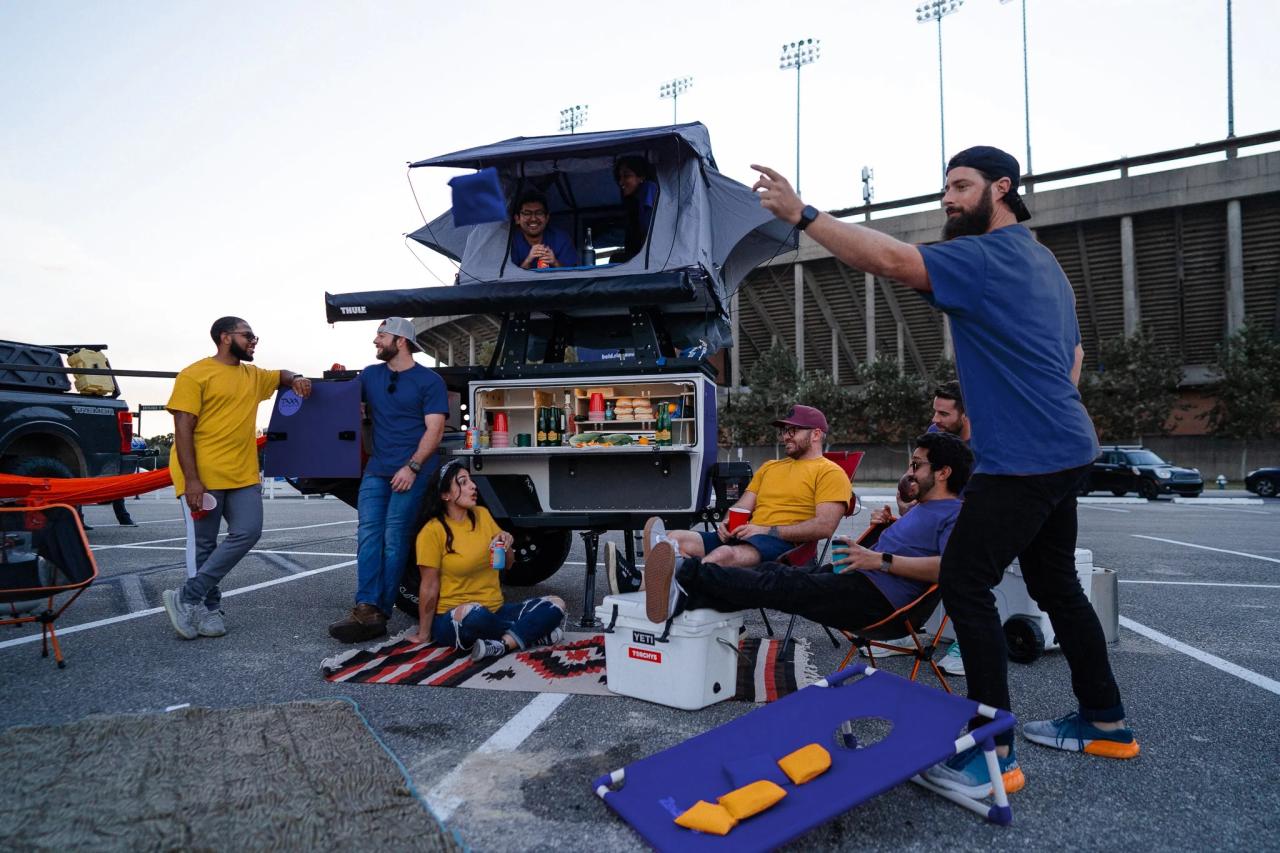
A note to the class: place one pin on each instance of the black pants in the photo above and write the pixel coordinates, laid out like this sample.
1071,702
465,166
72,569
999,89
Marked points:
849,601
1034,519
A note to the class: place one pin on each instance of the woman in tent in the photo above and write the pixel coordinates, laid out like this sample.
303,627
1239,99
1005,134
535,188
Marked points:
639,195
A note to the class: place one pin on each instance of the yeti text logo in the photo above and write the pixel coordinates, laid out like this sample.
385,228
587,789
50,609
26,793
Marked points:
642,637
355,309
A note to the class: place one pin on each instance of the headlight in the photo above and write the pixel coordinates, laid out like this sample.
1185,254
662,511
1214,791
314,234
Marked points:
1163,473
1135,471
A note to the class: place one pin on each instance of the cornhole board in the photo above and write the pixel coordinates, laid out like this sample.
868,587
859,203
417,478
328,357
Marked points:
316,437
650,793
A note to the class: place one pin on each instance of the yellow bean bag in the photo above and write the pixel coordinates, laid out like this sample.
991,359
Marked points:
806,763
752,799
707,817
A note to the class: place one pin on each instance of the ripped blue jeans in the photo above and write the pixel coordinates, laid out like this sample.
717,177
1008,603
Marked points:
529,621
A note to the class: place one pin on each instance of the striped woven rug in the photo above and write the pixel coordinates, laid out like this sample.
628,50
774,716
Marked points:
574,665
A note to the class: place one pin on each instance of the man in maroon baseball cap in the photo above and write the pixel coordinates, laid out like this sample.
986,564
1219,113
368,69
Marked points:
788,502
803,417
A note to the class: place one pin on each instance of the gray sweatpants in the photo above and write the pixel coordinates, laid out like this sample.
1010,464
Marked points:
208,561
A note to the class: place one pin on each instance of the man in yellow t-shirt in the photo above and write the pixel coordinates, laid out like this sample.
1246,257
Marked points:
791,501
215,468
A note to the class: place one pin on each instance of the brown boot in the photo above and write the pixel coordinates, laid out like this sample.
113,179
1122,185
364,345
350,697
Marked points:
365,622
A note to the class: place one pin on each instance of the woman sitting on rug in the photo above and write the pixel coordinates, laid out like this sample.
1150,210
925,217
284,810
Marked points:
460,599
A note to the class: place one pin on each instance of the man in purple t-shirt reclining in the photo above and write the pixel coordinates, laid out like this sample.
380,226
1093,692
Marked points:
861,589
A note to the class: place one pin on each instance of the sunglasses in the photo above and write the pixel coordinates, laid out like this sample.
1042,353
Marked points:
391,388
248,336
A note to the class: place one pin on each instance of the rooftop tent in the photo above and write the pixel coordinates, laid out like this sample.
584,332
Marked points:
707,233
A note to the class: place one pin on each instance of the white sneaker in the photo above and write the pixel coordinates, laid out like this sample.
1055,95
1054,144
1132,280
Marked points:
556,635
661,592
952,663
654,532
183,616
901,646
211,623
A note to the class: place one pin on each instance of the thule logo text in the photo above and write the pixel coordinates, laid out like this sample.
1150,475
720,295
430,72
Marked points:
355,309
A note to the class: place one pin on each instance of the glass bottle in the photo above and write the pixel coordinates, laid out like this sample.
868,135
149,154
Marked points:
553,427
589,252
542,427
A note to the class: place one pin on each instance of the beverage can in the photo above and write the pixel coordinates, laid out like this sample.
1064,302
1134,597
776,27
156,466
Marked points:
498,556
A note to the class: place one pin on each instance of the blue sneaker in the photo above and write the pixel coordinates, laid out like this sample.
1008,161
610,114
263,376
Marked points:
966,773
1076,734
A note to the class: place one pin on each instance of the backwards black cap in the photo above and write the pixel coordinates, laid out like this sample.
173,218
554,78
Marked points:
993,164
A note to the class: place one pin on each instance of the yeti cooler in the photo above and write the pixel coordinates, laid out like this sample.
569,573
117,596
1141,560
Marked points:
696,666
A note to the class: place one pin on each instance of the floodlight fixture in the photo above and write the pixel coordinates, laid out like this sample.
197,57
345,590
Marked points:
673,89
928,12
574,117
797,54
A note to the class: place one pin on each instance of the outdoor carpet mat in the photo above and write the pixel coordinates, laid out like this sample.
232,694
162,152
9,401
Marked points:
295,776
574,665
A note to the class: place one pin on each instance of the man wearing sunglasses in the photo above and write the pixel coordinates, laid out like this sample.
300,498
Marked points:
407,404
534,242
215,468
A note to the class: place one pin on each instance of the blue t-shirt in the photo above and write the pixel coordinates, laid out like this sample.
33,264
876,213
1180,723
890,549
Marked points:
554,238
399,416
922,531
1013,320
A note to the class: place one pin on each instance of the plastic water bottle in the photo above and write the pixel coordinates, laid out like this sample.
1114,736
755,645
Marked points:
589,252
498,556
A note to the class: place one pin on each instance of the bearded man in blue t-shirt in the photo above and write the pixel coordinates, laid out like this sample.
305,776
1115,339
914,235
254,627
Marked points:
407,405
1018,355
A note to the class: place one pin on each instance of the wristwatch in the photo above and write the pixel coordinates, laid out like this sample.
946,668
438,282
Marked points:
415,467
886,563
807,216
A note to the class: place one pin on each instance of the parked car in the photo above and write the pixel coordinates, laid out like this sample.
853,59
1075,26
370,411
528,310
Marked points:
1264,482
1124,469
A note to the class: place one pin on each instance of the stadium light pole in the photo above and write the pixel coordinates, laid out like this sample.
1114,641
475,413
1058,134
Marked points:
673,89
798,54
936,10
1026,79
574,117
1231,93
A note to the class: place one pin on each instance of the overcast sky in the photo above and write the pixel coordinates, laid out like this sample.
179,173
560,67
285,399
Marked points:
162,164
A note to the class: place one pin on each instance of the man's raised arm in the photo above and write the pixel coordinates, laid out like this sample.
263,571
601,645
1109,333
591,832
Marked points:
859,247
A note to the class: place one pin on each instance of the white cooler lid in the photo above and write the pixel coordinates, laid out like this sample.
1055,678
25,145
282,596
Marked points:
631,606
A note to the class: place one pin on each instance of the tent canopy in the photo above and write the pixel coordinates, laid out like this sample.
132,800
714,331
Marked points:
706,228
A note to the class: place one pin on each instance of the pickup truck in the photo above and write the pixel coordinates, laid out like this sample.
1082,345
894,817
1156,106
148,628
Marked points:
49,430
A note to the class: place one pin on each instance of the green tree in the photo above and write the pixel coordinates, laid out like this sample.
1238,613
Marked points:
1135,389
774,382
891,406
1248,385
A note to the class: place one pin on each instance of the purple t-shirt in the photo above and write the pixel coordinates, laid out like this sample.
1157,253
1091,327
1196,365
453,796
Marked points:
922,531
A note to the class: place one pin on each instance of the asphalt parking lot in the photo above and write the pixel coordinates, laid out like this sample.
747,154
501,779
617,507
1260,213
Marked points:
1198,661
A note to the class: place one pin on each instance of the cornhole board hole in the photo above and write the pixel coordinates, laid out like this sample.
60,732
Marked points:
1027,627
911,728
317,437
691,664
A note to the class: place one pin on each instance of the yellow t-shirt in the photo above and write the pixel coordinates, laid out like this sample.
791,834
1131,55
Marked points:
465,575
788,491
225,401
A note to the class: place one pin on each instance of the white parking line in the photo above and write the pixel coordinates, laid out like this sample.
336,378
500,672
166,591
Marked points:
1206,548
138,614
184,539
1101,508
1209,583
1214,661
445,797
252,551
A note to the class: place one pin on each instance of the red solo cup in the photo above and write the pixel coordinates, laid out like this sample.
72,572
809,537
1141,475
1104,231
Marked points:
500,422
737,518
207,503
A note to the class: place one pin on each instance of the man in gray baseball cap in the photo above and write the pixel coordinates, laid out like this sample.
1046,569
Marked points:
407,404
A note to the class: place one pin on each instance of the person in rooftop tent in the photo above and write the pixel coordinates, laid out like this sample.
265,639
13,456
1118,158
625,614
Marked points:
639,195
535,242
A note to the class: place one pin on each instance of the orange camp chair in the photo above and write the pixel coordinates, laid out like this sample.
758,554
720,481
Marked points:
44,557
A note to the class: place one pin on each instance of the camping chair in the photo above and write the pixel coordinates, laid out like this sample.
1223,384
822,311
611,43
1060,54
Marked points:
43,555
907,621
803,555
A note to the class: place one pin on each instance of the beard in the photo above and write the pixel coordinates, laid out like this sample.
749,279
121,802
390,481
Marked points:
969,223
386,354
240,352
923,485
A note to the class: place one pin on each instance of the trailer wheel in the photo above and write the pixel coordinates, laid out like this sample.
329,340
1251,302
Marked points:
1024,639
537,555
